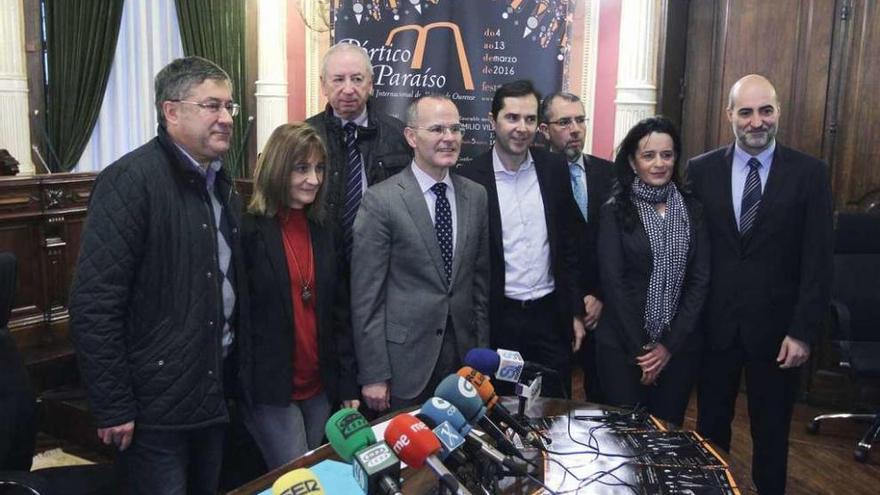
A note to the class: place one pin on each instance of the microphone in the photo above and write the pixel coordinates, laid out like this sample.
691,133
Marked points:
244,142
460,393
416,445
450,440
495,408
375,467
505,365
439,410
51,148
298,482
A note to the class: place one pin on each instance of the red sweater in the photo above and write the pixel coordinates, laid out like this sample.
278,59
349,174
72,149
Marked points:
300,266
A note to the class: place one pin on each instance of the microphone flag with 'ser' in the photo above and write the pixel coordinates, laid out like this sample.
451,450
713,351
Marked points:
298,482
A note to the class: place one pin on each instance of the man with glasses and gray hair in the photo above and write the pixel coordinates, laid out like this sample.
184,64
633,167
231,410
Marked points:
158,292
364,145
564,125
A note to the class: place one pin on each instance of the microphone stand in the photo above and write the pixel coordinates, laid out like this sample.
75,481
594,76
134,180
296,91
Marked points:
524,397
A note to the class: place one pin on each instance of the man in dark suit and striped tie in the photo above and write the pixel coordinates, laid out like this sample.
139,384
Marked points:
769,213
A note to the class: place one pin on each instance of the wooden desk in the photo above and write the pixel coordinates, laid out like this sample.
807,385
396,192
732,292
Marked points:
422,481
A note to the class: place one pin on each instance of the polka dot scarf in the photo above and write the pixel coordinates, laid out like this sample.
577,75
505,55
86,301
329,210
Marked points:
669,237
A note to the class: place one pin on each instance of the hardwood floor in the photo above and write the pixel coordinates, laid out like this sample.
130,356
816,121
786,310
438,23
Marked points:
817,464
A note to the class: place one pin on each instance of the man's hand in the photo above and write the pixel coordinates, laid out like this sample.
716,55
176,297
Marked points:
653,362
117,435
593,308
792,353
377,396
579,333
353,403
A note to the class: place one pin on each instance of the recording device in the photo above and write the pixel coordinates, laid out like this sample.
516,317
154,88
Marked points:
495,408
375,466
437,409
298,482
417,446
460,393
503,364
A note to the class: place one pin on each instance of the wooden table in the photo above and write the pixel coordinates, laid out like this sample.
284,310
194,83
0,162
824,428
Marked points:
422,481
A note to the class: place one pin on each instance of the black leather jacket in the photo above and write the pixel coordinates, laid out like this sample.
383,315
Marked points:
383,148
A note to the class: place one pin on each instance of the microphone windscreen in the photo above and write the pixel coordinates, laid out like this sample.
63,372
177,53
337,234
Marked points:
461,394
348,431
298,482
411,440
439,410
481,382
483,360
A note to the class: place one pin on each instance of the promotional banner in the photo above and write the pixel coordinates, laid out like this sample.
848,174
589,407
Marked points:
464,49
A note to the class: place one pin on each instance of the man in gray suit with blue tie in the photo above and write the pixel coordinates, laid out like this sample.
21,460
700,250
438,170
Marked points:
420,266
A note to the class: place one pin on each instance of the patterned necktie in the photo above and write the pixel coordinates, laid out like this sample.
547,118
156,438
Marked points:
443,227
353,184
579,188
751,197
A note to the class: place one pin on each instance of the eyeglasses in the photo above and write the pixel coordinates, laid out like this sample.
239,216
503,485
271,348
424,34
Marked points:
439,130
214,106
567,121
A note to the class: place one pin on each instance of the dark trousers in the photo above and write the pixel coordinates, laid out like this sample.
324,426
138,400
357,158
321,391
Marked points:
173,462
588,358
771,393
448,362
536,330
667,398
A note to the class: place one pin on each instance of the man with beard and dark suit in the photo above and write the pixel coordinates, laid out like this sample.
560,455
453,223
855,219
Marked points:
769,213
420,267
563,123
536,306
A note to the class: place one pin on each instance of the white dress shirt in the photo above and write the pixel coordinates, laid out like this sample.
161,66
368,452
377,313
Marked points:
426,182
523,231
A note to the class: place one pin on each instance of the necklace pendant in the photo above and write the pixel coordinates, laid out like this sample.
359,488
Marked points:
306,293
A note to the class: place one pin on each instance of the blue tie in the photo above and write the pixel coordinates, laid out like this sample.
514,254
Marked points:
353,184
751,198
443,227
578,188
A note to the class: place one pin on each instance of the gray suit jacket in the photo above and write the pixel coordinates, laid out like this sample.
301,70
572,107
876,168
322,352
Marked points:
400,298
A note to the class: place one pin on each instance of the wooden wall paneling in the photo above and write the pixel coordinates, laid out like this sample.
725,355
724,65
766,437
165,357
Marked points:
855,153
706,27
789,41
671,58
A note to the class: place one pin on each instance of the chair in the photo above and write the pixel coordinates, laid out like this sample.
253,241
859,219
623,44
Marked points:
855,311
18,421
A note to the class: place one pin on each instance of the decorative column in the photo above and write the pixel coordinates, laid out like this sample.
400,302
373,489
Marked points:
14,124
272,70
637,64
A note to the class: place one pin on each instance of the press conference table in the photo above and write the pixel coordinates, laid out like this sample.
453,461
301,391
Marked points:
422,481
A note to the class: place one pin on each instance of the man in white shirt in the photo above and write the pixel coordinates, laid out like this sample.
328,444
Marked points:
536,303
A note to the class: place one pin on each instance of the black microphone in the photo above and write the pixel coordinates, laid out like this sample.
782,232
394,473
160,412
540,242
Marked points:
244,143
51,148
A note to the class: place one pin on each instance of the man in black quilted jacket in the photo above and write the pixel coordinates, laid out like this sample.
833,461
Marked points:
154,302
364,145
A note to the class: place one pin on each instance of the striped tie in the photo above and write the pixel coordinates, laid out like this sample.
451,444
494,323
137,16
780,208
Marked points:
353,184
751,198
